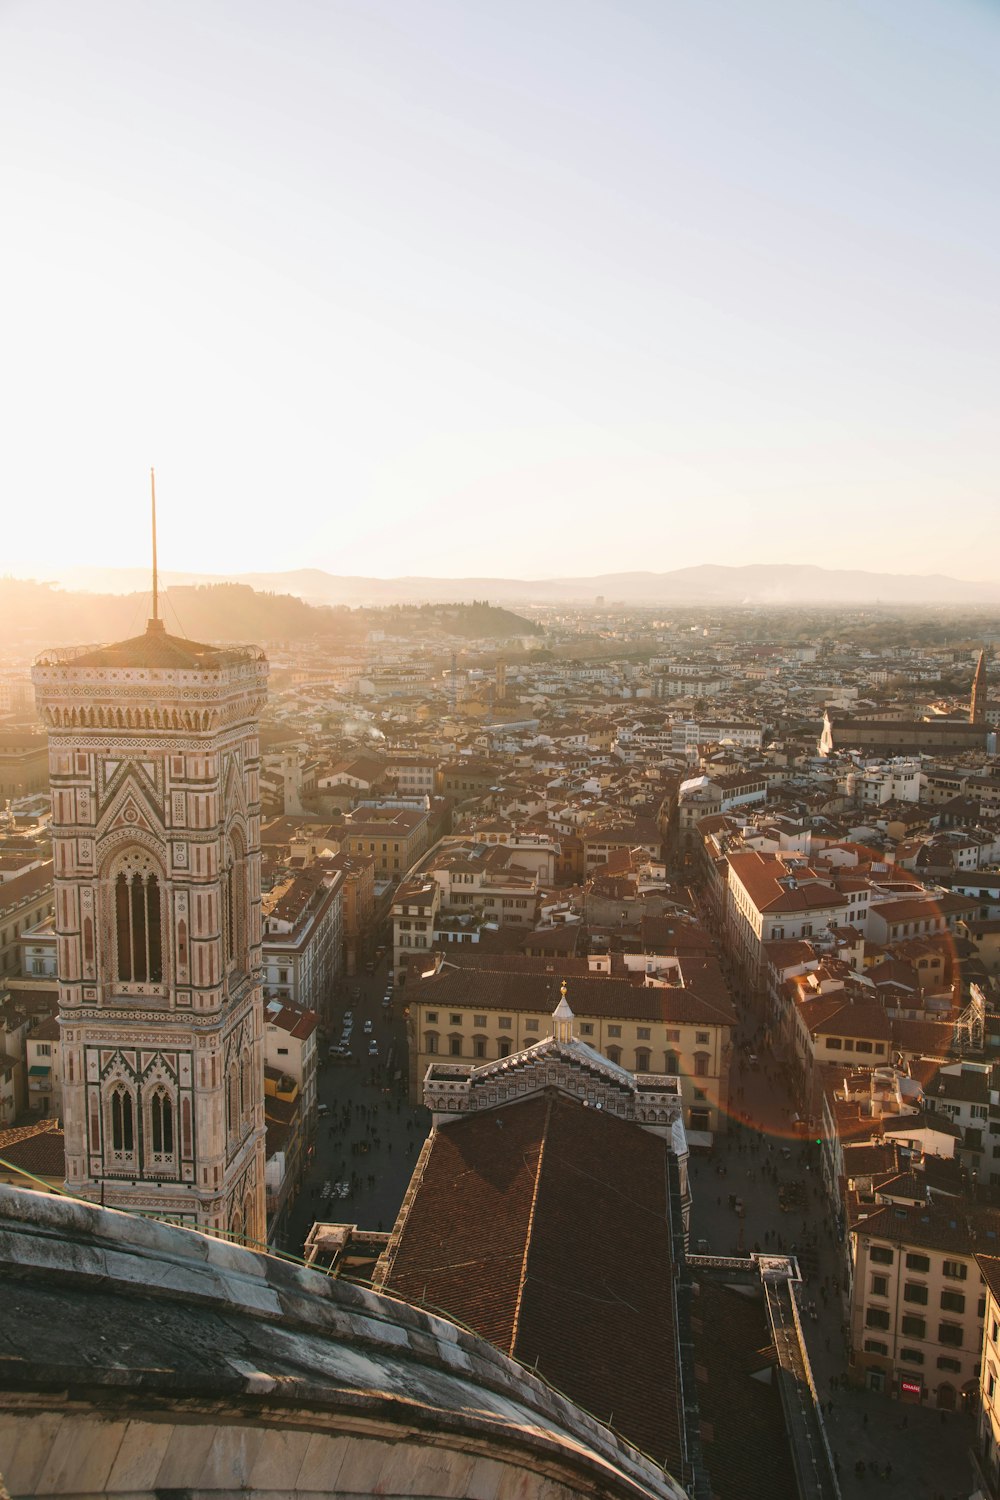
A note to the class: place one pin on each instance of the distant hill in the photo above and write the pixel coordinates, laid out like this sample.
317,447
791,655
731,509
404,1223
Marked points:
708,584
34,615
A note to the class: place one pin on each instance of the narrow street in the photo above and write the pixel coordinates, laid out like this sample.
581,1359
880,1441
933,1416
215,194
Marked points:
370,1136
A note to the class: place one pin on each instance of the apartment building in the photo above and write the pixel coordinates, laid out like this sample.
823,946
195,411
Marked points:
769,898
302,948
486,881
394,838
985,1452
291,1048
919,1298
25,901
684,1028
415,910
358,891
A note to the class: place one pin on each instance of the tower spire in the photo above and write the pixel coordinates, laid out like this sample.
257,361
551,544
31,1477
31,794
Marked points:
155,623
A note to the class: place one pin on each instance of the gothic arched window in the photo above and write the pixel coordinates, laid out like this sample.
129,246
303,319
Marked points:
138,922
122,1120
161,1124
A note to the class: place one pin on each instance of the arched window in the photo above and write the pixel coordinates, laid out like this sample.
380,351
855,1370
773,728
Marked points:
246,1084
701,1060
673,1063
122,1120
614,1054
642,1059
138,929
430,1041
161,1124
455,1046
232,1099
236,1225
233,904
503,1049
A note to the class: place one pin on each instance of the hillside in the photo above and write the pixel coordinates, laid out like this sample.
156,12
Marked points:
35,615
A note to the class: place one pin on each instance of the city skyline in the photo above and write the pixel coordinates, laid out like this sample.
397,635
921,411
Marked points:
429,291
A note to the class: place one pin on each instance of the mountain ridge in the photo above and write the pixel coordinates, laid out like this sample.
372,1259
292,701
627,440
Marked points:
719,584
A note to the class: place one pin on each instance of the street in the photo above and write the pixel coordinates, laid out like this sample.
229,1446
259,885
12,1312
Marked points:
370,1136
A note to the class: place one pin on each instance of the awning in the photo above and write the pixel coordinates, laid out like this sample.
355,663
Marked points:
38,1071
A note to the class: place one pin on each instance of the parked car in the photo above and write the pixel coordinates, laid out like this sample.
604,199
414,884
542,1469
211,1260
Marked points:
368,1028
373,1048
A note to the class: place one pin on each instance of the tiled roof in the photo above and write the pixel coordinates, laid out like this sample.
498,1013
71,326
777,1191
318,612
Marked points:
743,1434
35,1148
703,997
154,648
501,1235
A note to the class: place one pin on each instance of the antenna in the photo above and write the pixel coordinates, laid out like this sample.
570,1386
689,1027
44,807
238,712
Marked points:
156,591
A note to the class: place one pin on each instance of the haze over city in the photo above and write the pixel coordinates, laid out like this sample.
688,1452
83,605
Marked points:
523,290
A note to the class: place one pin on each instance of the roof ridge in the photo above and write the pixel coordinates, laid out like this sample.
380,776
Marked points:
529,1228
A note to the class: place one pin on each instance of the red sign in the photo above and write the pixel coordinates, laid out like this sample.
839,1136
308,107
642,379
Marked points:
910,1387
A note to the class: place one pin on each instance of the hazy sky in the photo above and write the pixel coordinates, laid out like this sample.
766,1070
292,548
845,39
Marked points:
501,286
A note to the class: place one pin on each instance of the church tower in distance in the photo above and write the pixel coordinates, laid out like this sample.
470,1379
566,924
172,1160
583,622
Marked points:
977,711
154,767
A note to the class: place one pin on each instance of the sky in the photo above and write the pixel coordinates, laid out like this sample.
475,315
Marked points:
500,287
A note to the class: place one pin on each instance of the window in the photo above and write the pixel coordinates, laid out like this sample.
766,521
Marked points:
917,1262
701,1065
880,1286
882,1255
122,1120
643,1033
614,1031
504,1049
700,1094
455,1046
701,1038
833,1044
479,1046
431,1041
876,1346
162,1124
913,1327
432,1016
479,1020
953,1302
864,1047
642,1059
955,1270
950,1333
945,1362
877,1317
911,1356
915,1291
586,1028
672,1063
531,1025
454,1020
505,1024
991,1383
673,1036
137,923
614,1054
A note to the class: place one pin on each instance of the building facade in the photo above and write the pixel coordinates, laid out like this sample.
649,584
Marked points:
154,768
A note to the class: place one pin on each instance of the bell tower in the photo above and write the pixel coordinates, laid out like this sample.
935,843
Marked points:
154,767
977,708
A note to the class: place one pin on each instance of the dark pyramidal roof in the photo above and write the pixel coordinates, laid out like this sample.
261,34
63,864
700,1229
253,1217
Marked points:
155,648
